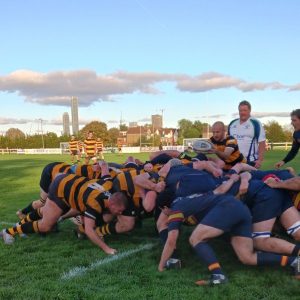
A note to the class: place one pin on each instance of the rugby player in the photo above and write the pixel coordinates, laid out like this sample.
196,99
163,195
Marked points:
88,197
215,214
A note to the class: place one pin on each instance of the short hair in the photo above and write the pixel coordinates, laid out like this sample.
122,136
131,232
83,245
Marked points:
245,102
296,113
119,199
219,123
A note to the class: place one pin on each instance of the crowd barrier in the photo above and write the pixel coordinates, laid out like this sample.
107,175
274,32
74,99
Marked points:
270,146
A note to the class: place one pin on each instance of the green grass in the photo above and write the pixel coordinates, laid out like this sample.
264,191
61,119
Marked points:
33,268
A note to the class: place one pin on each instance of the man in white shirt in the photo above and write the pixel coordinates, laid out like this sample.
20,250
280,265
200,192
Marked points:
250,135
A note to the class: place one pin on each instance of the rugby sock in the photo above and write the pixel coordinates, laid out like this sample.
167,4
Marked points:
107,229
266,258
33,216
207,255
163,238
29,227
28,209
163,235
296,251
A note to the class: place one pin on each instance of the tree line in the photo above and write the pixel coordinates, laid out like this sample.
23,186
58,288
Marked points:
15,138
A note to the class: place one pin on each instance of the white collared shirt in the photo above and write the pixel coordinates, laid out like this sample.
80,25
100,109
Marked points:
244,134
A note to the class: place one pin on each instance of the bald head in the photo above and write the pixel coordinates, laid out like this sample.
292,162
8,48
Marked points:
218,130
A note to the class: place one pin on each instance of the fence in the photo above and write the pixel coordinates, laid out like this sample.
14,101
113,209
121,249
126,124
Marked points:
270,146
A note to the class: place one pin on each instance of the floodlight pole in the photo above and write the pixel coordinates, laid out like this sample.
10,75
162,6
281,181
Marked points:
42,133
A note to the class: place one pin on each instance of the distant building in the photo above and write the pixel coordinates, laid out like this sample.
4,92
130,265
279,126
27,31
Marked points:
66,124
74,112
133,124
134,134
157,121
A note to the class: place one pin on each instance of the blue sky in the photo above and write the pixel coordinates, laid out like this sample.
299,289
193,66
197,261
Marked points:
193,59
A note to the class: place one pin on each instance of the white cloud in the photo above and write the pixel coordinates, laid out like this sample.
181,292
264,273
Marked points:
56,88
6,121
266,114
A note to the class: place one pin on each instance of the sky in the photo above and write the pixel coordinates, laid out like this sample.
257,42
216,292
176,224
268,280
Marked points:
128,59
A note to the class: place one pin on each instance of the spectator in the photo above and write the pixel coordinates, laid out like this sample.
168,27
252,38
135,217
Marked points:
250,135
295,117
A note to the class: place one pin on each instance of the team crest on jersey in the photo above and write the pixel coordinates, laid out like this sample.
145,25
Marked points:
107,194
96,186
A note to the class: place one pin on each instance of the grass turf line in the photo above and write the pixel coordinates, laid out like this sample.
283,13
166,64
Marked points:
79,271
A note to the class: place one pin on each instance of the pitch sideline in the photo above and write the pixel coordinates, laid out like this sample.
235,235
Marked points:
78,271
8,223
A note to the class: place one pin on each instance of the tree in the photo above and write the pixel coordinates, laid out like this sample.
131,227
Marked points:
14,133
123,127
288,132
200,127
98,128
113,134
274,132
188,129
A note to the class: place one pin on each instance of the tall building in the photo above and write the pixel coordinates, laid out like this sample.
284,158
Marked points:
157,121
66,124
74,112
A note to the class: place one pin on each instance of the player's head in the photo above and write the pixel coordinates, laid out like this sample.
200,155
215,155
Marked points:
244,110
295,118
218,131
117,203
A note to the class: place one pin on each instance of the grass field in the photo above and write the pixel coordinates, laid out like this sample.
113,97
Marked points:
59,266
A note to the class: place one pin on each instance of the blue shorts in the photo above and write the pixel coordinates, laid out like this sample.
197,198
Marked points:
268,203
229,215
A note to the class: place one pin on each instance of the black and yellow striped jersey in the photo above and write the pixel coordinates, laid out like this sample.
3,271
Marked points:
89,172
123,182
73,145
90,146
50,171
235,157
87,196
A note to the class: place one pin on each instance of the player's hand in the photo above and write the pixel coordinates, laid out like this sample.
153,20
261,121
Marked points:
217,172
235,177
161,268
110,251
148,167
279,164
271,182
160,186
258,164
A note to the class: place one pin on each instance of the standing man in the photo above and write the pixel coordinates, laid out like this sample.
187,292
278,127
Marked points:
90,148
74,149
295,117
250,135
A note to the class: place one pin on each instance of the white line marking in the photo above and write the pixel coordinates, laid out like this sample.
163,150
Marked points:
8,223
78,271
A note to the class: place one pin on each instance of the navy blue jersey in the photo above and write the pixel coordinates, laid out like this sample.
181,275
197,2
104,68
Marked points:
183,207
281,174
